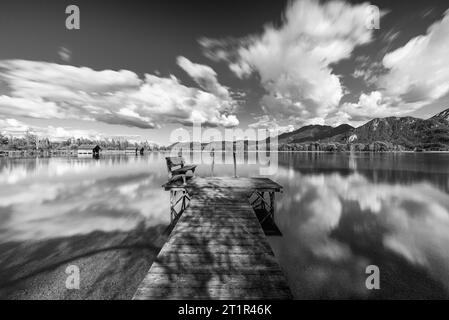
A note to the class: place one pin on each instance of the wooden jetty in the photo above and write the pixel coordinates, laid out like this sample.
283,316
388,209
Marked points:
217,248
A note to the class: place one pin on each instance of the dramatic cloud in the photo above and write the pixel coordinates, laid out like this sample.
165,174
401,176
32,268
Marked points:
294,60
407,79
418,71
54,91
204,76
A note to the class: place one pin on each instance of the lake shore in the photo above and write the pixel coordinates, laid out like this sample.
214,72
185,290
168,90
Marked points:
25,156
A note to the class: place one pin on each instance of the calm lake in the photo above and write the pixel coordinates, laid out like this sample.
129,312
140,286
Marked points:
338,214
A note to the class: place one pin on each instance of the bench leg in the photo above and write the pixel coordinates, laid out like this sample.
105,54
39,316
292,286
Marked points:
177,196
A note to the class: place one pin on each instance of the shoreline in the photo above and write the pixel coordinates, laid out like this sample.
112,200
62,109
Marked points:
31,156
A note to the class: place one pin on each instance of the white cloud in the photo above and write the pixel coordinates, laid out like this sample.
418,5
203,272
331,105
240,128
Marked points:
168,99
60,133
408,78
36,78
54,91
418,71
373,105
369,106
18,128
341,117
65,54
266,122
35,108
294,60
204,76
12,126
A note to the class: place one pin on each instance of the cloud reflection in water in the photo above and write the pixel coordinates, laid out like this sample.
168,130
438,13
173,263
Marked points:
338,214
335,225
54,197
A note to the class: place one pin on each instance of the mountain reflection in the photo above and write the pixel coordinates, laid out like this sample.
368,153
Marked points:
404,168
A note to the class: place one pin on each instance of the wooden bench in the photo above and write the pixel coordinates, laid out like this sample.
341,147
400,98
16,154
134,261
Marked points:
178,169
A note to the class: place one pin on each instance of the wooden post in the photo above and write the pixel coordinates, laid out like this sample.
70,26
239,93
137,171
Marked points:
212,154
235,165
172,209
272,205
262,202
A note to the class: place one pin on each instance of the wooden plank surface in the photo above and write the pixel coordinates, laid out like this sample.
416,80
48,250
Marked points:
226,182
217,250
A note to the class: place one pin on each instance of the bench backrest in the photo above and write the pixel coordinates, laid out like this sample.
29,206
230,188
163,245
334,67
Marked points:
174,163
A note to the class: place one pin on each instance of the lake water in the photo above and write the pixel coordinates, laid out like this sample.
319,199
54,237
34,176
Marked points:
338,214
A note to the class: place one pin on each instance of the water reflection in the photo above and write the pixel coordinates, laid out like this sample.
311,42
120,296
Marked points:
55,197
404,168
338,214
107,214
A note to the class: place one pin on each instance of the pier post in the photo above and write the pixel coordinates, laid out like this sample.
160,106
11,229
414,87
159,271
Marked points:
272,205
235,164
212,154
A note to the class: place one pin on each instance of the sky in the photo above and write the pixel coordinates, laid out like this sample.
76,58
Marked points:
142,69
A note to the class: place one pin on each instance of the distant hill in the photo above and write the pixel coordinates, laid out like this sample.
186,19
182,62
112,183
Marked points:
313,133
410,132
398,130
442,116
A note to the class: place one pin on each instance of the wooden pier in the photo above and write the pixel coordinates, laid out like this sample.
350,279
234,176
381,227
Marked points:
217,248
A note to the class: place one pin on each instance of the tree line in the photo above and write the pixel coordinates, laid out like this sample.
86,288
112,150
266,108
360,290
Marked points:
31,141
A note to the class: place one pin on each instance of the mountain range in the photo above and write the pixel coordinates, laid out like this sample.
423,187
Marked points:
408,132
379,134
